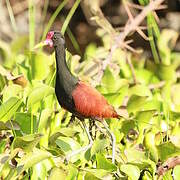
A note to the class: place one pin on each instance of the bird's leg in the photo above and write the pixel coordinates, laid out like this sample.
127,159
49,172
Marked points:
85,148
91,125
113,139
71,120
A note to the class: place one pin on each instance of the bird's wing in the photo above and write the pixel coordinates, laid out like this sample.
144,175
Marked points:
90,103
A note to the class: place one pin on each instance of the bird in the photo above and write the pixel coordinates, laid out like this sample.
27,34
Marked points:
78,97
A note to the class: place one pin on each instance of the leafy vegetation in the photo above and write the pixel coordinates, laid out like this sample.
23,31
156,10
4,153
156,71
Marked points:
36,133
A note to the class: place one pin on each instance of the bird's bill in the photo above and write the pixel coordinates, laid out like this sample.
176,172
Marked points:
44,43
48,41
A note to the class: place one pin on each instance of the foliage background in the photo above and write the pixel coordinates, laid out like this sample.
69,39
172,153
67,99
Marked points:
36,133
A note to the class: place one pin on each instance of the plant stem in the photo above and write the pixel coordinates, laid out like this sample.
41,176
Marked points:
53,17
69,16
31,24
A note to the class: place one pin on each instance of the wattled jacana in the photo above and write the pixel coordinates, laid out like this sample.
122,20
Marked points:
78,97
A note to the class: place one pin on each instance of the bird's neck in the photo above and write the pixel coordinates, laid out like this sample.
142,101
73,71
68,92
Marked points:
64,77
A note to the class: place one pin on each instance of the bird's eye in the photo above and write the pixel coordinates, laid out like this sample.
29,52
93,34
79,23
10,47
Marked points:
54,37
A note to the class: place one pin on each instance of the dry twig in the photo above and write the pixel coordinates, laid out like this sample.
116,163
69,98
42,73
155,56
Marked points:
131,26
167,165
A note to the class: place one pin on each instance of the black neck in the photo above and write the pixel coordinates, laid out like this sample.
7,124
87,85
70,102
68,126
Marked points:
64,78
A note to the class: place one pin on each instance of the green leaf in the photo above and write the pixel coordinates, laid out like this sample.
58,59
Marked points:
24,121
103,163
167,73
136,103
11,91
98,173
109,81
99,146
72,172
57,173
67,144
139,90
116,99
27,142
167,150
40,66
166,40
39,171
90,176
38,94
149,142
30,159
8,109
176,172
132,172
45,115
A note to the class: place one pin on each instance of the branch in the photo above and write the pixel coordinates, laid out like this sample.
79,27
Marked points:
169,164
130,26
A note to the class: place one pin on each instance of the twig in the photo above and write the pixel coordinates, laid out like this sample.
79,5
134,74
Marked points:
169,164
130,26
156,85
128,59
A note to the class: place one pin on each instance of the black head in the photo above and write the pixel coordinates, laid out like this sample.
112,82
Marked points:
54,38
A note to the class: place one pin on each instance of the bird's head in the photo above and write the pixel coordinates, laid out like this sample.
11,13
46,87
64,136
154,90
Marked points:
54,38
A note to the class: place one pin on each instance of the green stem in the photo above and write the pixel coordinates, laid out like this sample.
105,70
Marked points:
53,17
11,15
31,24
73,40
32,123
69,16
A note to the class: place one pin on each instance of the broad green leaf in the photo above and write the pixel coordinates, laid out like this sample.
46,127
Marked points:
90,176
143,76
116,99
151,105
72,172
27,142
167,150
67,144
135,103
45,115
11,91
8,109
57,173
99,146
149,142
144,118
98,173
38,94
39,171
109,81
131,171
103,163
40,66
176,172
139,90
166,41
167,73
30,159
24,121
